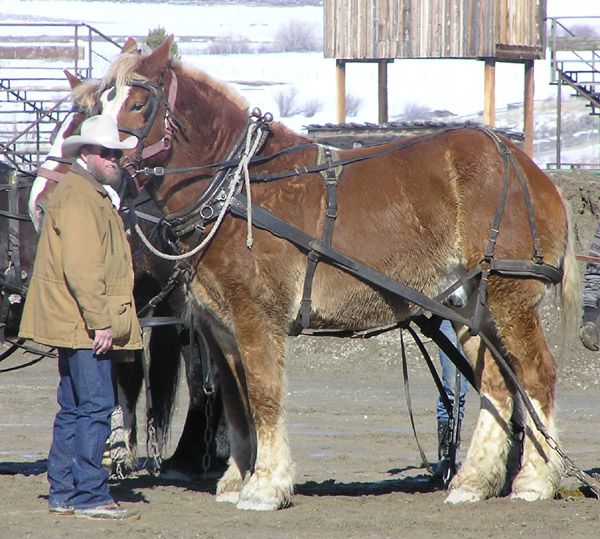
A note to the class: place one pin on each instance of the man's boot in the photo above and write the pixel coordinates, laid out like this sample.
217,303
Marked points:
447,463
443,464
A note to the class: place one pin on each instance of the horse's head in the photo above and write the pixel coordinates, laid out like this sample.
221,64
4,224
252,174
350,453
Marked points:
181,116
55,165
85,96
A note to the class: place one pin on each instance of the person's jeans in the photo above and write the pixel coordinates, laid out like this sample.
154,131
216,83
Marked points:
81,427
449,377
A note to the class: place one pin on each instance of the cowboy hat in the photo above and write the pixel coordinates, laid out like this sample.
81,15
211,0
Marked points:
100,130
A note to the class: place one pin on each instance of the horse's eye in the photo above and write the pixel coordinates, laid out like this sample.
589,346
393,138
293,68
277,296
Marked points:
136,107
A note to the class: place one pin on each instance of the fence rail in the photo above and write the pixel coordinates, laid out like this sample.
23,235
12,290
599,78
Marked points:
33,86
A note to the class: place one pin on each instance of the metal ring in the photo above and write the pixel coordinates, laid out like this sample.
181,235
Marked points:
207,212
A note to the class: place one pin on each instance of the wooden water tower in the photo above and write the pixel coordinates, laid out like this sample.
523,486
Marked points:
381,31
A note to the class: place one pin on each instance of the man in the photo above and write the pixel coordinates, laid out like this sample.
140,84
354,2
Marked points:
589,334
80,300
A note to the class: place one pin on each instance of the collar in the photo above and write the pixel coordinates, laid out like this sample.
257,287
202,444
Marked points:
108,190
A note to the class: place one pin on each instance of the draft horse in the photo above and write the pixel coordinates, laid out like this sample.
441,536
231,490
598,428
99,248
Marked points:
196,452
386,230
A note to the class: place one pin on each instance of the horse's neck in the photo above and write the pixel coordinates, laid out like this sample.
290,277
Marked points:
281,138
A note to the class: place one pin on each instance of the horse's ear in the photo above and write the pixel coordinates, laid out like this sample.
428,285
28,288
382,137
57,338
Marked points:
158,60
129,45
73,80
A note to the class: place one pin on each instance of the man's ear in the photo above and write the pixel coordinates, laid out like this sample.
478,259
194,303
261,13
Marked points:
84,154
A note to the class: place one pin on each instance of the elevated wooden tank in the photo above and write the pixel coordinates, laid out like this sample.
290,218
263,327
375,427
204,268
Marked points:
381,31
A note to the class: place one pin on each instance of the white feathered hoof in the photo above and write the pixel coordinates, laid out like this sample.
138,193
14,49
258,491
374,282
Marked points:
528,496
228,497
462,495
533,494
255,503
263,495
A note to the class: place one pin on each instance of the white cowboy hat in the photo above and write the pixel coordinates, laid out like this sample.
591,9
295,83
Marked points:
100,130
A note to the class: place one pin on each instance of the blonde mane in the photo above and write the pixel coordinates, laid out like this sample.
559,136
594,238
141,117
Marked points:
86,95
124,70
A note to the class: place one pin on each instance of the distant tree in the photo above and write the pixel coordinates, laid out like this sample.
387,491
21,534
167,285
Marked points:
579,30
157,36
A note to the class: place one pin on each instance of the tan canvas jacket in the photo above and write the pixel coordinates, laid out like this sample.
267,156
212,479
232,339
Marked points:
83,276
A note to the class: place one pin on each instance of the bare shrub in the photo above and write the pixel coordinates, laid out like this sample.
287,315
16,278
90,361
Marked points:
286,101
297,36
414,111
311,107
353,104
231,44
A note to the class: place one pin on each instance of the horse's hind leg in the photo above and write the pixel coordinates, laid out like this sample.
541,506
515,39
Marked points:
541,466
483,471
513,305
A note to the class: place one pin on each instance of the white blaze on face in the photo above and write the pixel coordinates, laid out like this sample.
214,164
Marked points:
113,99
39,184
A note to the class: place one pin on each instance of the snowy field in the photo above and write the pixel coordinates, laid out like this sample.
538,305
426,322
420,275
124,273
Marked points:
452,85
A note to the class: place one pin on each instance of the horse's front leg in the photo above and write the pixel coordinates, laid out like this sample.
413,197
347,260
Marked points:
269,480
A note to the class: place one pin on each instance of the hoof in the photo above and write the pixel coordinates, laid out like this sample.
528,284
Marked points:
461,495
228,497
531,495
528,496
255,504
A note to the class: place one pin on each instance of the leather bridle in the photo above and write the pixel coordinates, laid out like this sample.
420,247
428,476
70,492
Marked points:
171,124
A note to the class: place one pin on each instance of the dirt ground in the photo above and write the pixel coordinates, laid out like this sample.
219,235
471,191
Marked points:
358,467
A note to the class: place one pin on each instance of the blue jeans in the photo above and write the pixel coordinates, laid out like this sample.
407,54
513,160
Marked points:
449,377
81,427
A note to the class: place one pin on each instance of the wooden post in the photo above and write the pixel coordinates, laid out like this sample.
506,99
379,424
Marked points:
340,78
489,107
382,91
528,108
558,121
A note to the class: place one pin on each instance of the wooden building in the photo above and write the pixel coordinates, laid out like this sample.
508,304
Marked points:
492,31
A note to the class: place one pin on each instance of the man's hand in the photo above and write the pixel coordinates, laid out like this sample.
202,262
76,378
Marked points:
102,340
588,333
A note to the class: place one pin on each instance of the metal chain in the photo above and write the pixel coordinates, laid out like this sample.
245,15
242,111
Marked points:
208,434
153,446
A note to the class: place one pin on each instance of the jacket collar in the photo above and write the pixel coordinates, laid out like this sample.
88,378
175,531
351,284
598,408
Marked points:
80,171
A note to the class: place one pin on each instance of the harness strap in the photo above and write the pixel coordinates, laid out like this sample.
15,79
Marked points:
331,176
430,327
424,461
170,125
525,268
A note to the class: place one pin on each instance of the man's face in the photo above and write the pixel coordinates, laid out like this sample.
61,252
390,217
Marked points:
103,164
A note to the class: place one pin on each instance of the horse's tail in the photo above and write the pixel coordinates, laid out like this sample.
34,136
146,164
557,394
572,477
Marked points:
570,286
